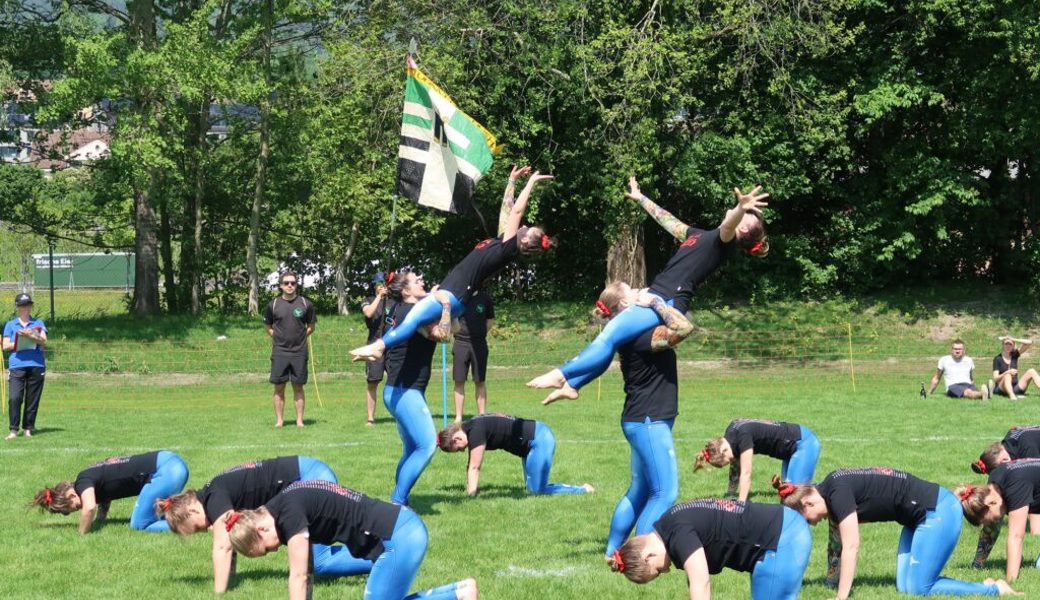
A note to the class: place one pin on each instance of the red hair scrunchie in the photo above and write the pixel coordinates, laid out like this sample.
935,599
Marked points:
618,562
706,454
756,247
232,520
982,466
166,504
546,242
785,490
603,308
390,277
968,491
48,497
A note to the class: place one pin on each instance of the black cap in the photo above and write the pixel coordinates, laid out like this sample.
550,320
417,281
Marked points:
22,299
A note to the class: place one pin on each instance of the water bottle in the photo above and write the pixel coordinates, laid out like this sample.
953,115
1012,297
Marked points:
924,394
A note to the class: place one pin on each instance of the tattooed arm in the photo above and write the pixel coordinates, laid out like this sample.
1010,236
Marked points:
664,218
676,326
507,197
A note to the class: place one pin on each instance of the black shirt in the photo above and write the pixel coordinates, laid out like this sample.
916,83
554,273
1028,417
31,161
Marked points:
329,513
408,364
734,534
878,494
1019,482
289,318
772,438
1000,366
486,259
1023,442
117,477
377,322
497,431
697,258
248,485
473,324
651,381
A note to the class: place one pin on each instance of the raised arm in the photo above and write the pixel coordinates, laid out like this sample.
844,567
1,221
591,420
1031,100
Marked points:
476,458
749,202
664,218
516,214
507,197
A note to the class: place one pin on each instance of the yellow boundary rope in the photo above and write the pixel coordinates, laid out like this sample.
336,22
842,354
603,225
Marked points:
314,371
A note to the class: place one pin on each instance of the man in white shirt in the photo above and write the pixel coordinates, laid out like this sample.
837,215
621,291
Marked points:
956,370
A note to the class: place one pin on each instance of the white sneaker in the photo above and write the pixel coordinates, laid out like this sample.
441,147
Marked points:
987,391
11,435
28,433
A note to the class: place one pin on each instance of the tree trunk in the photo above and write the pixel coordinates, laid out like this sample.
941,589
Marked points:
191,236
261,170
626,258
341,272
146,246
166,247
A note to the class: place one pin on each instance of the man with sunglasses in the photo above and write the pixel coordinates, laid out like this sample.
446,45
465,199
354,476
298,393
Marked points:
289,319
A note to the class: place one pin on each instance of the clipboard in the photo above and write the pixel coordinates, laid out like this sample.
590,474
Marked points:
23,342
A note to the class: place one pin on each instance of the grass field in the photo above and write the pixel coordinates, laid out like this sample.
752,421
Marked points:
216,413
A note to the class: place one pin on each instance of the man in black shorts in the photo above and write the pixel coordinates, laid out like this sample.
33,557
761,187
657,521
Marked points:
470,351
289,320
376,311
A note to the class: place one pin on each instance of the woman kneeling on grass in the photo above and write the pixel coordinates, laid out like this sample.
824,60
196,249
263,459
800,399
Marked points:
321,512
704,536
148,476
249,486
532,441
796,445
700,254
928,513
1013,489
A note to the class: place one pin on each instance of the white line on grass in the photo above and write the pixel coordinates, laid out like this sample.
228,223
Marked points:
515,571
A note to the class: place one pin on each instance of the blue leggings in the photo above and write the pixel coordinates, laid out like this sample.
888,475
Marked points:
924,550
538,463
595,358
655,480
168,479
426,311
329,561
778,575
415,426
396,568
801,466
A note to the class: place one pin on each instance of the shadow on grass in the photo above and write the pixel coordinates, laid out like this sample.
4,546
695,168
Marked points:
240,576
874,581
456,494
46,430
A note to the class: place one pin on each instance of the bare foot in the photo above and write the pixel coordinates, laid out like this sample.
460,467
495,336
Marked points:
371,422
372,352
552,379
299,424
278,424
466,589
566,392
588,487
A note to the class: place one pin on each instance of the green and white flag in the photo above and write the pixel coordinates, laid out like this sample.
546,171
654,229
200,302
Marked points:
443,152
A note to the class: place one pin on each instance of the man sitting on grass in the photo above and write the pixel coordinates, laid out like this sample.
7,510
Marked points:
956,370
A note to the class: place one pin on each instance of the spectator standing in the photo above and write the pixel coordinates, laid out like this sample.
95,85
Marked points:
26,368
376,310
470,351
289,320
956,370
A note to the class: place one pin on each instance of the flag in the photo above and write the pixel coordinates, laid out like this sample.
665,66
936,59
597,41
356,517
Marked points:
444,152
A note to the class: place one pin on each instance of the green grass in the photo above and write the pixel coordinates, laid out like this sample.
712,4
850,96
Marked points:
123,385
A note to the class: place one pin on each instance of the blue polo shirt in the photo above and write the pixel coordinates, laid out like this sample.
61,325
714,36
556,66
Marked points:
25,358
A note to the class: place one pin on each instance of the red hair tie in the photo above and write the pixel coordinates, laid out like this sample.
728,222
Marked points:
545,242
232,520
48,497
603,308
706,454
618,562
981,465
756,247
785,490
390,277
967,493
166,504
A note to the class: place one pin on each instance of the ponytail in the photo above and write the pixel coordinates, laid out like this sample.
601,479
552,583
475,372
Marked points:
54,499
177,510
444,436
988,459
628,559
609,302
241,528
791,495
711,454
973,501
